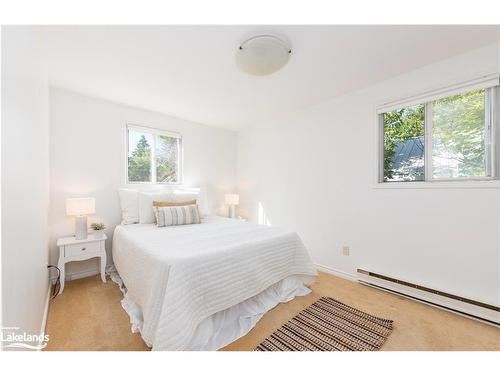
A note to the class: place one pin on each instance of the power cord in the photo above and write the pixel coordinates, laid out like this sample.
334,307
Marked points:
57,284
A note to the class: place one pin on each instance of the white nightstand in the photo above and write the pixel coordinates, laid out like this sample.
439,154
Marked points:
71,250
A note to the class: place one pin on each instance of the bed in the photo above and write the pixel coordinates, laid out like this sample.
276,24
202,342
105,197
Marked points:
202,286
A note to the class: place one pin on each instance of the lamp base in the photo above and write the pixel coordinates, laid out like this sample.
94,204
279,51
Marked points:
231,212
81,227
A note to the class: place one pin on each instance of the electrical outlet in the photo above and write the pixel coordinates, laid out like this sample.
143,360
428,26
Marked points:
345,251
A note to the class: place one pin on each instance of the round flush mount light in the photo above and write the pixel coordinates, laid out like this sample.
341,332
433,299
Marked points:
262,55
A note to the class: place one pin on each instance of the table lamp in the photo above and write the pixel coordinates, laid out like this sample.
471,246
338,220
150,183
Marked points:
232,200
80,207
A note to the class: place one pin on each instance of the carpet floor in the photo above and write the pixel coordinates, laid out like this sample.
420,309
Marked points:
89,316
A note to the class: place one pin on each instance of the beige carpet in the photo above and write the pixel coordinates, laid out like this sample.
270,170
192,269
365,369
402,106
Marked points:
329,325
88,316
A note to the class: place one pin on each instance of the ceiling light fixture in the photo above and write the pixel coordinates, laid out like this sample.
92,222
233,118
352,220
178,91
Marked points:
262,55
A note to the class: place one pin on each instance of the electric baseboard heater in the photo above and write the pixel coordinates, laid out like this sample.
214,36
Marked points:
461,305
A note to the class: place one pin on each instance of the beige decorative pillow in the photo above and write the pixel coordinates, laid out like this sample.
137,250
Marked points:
177,215
174,203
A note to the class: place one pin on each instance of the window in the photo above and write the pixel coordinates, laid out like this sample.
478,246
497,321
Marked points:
444,138
153,156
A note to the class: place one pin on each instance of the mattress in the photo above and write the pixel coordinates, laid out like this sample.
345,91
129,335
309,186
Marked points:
178,278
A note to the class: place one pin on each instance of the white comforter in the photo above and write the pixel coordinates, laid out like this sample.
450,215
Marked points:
181,275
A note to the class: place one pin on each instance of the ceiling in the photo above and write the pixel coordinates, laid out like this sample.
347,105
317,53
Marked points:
190,72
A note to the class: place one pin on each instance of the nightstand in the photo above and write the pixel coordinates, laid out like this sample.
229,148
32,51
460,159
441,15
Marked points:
71,250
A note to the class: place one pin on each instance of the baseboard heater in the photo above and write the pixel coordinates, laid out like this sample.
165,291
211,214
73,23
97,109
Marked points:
461,305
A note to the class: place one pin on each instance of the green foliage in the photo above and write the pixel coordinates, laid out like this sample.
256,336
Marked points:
400,126
97,226
139,163
458,135
166,159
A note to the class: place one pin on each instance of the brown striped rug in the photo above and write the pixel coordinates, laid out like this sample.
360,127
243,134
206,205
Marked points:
329,325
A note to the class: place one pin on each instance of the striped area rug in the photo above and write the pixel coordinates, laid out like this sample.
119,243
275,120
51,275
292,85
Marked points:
329,325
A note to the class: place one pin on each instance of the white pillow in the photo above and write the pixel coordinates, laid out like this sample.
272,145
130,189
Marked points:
203,202
129,200
146,213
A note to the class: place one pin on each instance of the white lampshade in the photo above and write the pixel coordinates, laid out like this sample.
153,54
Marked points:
80,206
262,55
232,199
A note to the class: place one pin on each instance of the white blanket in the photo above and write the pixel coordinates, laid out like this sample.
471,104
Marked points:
181,275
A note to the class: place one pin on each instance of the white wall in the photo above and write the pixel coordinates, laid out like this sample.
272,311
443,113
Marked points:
88,158
314,172
25,181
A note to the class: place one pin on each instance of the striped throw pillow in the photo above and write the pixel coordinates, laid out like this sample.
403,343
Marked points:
177,215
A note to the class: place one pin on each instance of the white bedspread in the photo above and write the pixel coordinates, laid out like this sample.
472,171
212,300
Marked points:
181,275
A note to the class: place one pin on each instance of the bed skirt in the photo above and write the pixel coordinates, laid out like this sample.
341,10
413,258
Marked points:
224,327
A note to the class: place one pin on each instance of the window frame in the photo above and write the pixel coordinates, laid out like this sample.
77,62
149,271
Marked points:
492,135
154,132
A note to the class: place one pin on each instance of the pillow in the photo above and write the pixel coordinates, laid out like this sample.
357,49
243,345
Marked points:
177,215
174,203
129,201
146,199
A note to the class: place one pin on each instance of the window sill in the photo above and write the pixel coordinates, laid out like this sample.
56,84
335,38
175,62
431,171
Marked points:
153,183
486,184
